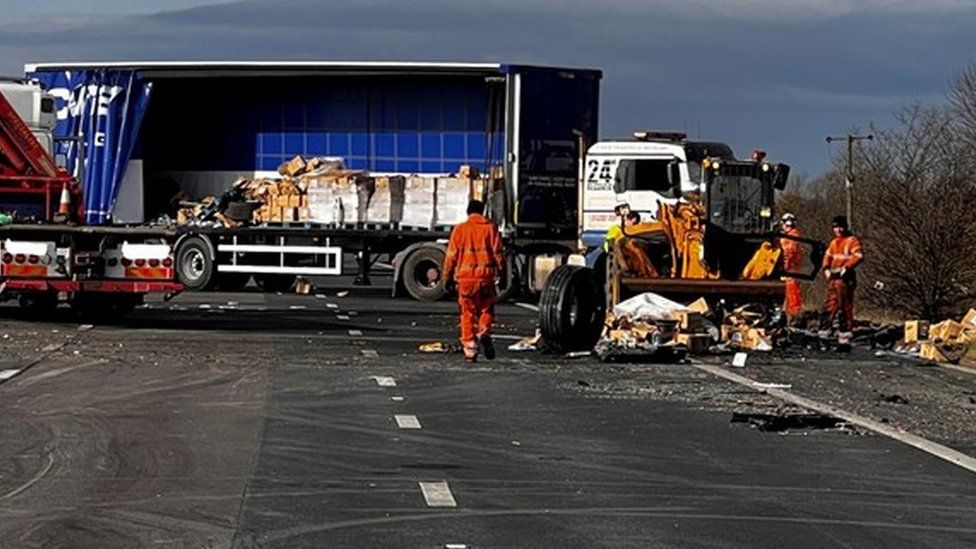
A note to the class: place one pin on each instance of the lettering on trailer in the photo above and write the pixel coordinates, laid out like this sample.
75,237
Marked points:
600,174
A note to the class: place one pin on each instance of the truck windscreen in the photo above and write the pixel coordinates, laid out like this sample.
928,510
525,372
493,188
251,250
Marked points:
642,175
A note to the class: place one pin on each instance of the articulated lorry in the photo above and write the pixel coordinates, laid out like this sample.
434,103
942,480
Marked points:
131,136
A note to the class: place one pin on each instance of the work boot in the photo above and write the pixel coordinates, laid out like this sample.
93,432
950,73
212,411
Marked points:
470,351
487,345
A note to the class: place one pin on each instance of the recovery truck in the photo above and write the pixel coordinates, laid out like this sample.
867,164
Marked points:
708,230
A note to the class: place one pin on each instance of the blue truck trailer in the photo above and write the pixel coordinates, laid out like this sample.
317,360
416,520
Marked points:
135,134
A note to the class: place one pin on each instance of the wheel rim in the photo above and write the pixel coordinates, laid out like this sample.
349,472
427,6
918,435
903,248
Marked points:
193,264
427,274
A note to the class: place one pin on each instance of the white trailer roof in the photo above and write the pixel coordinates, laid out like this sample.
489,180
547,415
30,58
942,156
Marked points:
249,66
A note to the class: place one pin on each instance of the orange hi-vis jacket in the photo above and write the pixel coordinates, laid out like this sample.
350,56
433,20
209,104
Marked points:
474,252
843,252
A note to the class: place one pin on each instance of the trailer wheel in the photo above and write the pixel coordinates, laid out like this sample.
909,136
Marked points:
570,313
194,263
99,308
275,282
422,274
38,304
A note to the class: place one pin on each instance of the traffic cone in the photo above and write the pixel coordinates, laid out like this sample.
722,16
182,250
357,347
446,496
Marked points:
64,205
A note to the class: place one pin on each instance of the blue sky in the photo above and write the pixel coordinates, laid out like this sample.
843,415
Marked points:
778,75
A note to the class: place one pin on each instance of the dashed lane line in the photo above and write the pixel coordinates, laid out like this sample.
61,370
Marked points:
933,448
438,494
405,421
356,333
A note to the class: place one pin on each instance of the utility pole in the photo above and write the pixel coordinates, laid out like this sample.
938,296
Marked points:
849,176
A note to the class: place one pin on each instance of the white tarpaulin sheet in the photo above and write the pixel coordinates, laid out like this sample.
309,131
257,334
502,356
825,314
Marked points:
647,305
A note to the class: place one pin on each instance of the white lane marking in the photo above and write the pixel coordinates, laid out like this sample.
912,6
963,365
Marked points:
369,353
455,546
509,337
528,306
396,398
319,296
331,306
437,494
296,307
356,333
385,381
943,452
958,368
342,317
407,421
9,373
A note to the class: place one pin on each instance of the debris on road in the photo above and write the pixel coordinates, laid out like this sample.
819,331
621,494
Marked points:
739,360
439,347
342,293
530,343
773,423
303,286
946,342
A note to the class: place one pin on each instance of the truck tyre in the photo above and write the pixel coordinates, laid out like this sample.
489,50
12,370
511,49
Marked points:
275,282
38,305
570,313
422,274
99,308
194,263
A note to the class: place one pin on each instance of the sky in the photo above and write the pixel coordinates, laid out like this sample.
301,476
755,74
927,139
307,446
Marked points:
779,75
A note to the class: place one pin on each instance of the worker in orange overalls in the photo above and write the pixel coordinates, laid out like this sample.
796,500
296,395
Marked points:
843,255
792,258
474,258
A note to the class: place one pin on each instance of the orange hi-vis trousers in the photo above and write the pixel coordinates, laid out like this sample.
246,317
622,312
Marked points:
839,306
476,300
794,298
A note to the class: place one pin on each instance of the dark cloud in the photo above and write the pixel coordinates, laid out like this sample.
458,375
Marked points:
779,80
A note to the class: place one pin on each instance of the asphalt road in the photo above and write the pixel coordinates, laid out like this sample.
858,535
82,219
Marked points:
246,420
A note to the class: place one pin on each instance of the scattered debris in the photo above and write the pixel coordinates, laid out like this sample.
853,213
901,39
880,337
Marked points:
894,399
81,328
773,423
527,343
303,286
739,360
434,347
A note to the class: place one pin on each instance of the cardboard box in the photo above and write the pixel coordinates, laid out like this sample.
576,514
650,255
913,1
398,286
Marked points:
930,351
699,306
696,343
969,321
947,330
916,330
418,202
689,321
293,167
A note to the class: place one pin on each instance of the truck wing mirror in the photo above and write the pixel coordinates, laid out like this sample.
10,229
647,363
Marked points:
781,176
620,179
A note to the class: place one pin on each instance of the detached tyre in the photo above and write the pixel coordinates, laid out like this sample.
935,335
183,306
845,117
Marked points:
422,274
195,267
571,314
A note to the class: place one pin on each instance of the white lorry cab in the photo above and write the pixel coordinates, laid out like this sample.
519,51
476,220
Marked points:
653,167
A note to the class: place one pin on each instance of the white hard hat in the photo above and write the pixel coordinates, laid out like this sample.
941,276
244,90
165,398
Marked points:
788,218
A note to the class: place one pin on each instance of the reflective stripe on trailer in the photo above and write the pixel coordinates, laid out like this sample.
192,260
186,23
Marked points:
24,270
120,286
144,273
